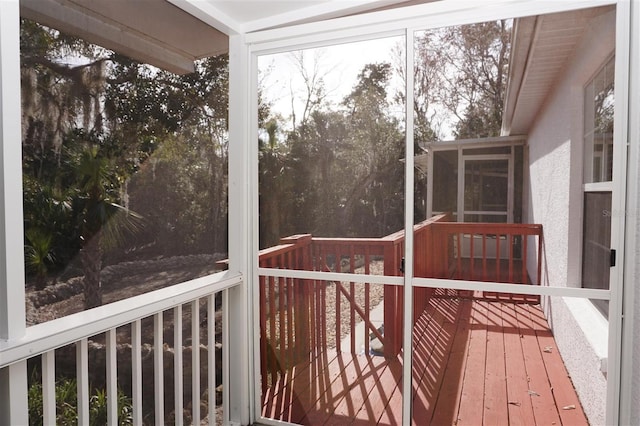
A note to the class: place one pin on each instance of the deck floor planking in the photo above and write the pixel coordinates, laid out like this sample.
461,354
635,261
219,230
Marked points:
475,361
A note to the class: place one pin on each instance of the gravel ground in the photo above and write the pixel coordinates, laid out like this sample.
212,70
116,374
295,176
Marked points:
376,295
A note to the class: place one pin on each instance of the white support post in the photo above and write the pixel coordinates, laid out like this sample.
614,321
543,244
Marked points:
242,229
13,379
629,393
409,182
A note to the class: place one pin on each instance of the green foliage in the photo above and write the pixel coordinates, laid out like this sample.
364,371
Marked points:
39,253
104,137
66,405
339,171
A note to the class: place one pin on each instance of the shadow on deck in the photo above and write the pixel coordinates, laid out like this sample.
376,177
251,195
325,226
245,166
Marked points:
475,361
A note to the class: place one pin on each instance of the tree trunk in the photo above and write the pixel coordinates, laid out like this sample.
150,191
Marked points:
91,256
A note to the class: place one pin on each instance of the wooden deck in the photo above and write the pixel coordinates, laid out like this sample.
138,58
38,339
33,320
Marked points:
476,361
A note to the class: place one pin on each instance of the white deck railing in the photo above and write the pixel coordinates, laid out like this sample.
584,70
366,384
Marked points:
44,339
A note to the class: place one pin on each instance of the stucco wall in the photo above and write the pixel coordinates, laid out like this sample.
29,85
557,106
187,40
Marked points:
555,201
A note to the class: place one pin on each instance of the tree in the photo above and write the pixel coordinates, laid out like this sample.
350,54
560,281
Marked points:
100,219
479,54
460,80
272,184
92,120
374,201
39,254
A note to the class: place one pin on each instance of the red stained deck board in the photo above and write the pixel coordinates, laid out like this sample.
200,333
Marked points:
544,409
381,394
473,386
518,400
429,363
392,414
348,391
566,399
370,371
279,397
307,388
321,401
447,369
446,408
495,410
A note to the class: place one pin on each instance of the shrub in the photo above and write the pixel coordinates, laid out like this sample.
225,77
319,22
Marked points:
67,405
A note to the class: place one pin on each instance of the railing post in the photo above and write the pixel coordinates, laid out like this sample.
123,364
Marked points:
392,307
238,395
13,379
301,300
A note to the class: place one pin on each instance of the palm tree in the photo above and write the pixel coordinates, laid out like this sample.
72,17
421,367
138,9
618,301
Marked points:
101,221
39,254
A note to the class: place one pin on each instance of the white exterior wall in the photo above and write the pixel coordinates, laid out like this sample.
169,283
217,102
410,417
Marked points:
555,200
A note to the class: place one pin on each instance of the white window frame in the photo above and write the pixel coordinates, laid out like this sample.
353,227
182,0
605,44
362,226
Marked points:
589,185
406,21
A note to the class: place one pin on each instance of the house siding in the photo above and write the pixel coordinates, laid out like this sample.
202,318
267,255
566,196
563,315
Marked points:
555,200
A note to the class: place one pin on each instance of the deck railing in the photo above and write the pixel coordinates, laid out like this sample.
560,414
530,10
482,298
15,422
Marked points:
189,306
293,318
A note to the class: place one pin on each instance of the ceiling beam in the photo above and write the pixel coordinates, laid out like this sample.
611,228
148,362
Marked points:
69,17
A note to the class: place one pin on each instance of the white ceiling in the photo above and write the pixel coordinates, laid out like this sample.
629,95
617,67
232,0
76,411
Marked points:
247,11
244,16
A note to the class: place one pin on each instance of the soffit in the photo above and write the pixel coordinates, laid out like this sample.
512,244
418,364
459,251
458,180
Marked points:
151,31
171,34
542,48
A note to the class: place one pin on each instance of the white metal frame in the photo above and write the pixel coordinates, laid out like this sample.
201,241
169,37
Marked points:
406,21
615,379
13,389
627,361
241,404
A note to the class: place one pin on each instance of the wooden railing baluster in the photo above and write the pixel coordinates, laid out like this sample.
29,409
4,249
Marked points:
367,307
338,268
498,257
510,249
441,249
485,277
523,276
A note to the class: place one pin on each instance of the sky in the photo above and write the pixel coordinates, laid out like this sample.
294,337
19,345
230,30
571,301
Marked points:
339,64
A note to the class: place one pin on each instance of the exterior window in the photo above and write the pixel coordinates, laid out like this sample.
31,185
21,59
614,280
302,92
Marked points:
598,175
596,244
598,126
